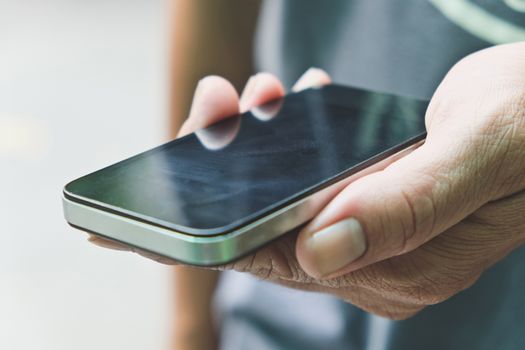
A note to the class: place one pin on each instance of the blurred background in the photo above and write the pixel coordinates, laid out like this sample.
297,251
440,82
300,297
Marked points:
82,85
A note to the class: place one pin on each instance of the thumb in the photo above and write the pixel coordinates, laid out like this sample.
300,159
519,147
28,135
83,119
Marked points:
391,212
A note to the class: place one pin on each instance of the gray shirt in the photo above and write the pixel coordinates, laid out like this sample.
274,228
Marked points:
404,47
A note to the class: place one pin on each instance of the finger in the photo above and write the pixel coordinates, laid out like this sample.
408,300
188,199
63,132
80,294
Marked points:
391,212
215,99
106,243
313,77
260,88
155,257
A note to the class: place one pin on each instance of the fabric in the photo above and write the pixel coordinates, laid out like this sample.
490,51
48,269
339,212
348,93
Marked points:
404,47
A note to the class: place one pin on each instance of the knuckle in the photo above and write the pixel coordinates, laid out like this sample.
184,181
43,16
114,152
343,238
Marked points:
410,224
420,206
284,260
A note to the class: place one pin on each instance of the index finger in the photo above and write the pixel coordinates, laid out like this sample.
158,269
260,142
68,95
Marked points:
215,99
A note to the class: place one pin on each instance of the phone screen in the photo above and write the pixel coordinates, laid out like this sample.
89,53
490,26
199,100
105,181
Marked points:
244,167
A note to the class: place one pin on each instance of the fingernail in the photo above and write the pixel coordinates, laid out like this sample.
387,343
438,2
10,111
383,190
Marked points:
247,93
336,246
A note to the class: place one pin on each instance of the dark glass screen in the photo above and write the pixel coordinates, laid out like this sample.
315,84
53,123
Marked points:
240,169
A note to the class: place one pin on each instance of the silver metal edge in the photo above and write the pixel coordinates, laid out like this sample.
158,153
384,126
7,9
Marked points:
194,250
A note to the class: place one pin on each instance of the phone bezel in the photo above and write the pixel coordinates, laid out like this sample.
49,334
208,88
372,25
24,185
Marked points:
334,93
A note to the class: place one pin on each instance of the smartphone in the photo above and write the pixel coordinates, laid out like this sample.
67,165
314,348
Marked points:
213,196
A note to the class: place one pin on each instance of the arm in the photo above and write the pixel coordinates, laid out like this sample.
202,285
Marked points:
209,37
193,322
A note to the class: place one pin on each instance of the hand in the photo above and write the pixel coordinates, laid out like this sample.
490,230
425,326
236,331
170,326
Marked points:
425,227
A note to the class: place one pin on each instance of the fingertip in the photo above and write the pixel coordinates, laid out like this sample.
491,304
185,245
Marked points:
313,77
261,88
215,99
327,252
